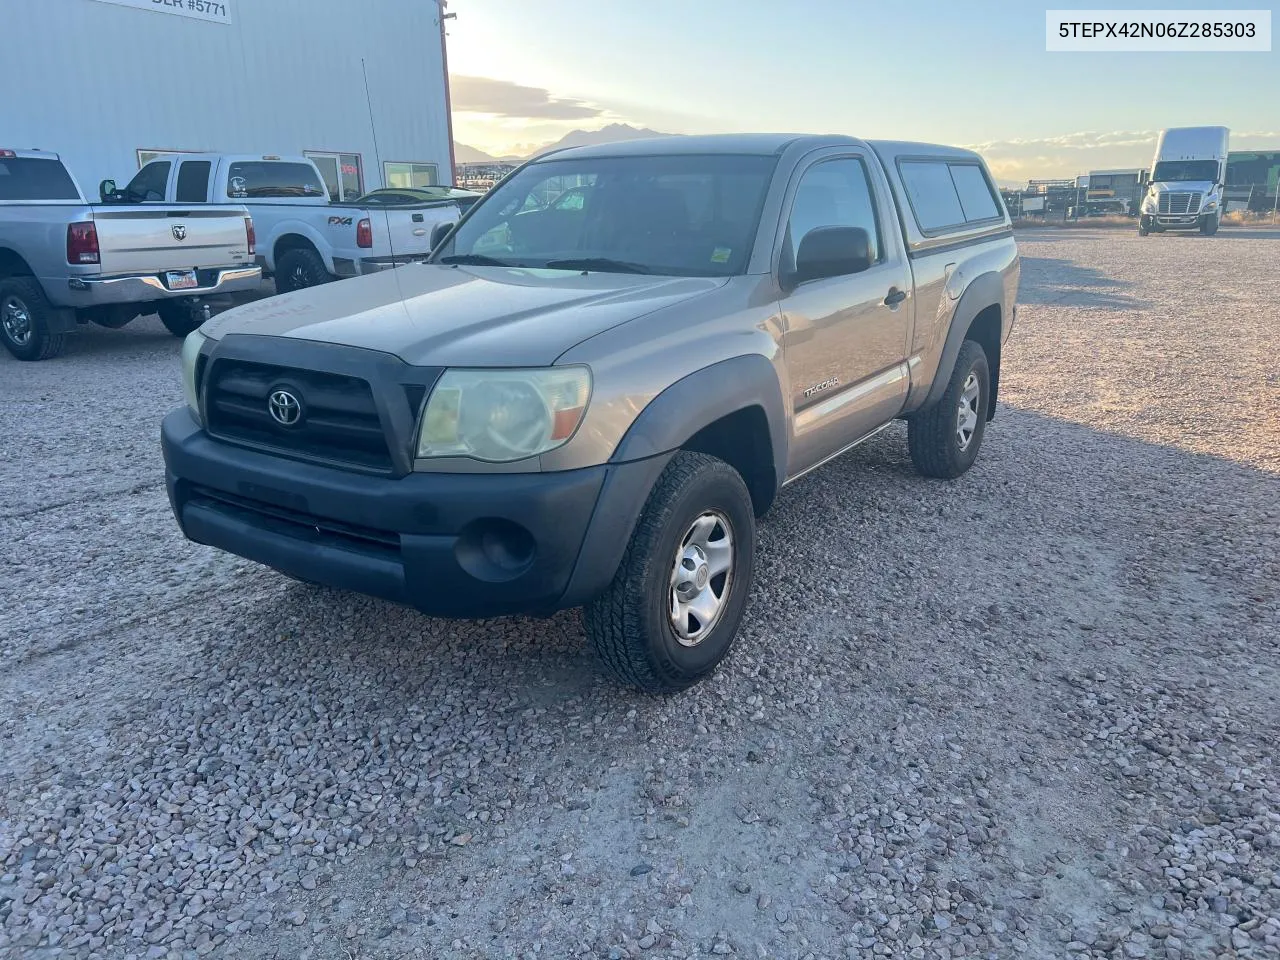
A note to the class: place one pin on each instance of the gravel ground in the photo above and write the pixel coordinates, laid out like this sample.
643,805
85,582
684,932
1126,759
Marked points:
1030,713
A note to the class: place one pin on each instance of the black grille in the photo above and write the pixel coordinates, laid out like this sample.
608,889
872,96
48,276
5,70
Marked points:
338,421
293,523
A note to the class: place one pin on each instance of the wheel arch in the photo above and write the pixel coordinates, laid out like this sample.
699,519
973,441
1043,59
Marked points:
732,410
295,240
979,316
13,264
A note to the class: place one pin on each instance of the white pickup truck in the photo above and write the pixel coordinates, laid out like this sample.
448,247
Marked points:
65,262
303,238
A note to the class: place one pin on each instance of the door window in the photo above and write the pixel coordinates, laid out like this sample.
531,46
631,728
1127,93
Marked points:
834,193
193,181
148,183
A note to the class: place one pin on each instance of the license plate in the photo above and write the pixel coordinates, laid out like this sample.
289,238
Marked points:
181,279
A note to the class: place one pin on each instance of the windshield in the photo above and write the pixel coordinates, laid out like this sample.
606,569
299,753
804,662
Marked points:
1175,170
682,215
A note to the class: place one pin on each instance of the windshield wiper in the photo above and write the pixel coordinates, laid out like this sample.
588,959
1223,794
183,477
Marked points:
603,264
475,260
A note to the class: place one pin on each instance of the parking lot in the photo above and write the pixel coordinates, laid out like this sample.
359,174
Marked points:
1031,712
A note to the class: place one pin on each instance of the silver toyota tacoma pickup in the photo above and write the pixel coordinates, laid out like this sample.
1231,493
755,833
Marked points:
65,262
590,403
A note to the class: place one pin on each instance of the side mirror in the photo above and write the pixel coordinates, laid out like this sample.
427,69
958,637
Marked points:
832,252
106,190
440,231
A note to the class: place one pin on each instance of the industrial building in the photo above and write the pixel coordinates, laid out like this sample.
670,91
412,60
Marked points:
1253,180
359,87
1117,191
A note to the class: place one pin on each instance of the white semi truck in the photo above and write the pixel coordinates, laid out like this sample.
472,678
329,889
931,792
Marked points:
1188,177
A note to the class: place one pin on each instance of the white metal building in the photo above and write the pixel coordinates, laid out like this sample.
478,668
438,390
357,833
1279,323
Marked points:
109,83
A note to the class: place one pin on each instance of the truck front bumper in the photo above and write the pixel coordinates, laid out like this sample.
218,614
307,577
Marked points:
146,287
448,544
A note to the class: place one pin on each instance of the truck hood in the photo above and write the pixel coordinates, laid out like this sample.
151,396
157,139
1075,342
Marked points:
431,314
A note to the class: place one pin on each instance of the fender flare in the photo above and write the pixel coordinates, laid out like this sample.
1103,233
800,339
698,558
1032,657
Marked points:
703,397
304,230
983,291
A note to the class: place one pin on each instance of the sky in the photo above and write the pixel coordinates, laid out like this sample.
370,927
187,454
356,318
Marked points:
525,72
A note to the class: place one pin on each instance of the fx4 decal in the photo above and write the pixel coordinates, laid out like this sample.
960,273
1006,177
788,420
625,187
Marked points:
339,221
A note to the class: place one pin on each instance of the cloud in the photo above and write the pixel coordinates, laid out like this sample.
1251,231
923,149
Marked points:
502,98
1084,140
1070,154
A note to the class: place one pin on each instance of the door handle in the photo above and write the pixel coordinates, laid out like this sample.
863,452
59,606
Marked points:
894,296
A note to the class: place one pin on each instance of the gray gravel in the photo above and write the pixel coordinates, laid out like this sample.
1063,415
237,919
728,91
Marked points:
1029,713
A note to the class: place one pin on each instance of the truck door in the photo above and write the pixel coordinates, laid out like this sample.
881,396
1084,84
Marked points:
844,337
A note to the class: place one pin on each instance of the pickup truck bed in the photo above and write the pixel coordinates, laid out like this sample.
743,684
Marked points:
304,239
64,261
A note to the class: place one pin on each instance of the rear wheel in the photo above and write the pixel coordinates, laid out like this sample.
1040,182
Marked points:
672,612
181,316
300,268
944,439
25,321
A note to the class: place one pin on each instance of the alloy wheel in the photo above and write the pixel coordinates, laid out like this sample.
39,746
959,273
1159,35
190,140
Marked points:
16,319
701,577
967,411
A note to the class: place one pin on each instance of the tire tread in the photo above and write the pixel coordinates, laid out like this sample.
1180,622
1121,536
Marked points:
929,432
613,620
46,343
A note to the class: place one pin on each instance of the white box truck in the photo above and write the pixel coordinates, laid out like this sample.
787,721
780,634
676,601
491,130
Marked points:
1188,177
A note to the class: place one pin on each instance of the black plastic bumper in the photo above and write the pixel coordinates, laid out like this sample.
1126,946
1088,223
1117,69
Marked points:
458,545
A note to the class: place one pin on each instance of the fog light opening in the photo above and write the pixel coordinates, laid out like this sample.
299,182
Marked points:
495,550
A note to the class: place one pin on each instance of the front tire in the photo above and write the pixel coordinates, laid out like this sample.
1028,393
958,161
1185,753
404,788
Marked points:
25,321
298,269
672,612
1144,228
944,439
1209,225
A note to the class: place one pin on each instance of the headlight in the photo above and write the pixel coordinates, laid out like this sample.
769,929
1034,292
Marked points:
190,353
1149,204
503,415
1211,205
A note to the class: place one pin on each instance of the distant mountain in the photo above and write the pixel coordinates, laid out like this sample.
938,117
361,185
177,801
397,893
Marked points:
613,133
464,154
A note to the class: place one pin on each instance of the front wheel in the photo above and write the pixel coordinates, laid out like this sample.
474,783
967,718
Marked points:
672,612
944,439
1144,228
26,320
1209,225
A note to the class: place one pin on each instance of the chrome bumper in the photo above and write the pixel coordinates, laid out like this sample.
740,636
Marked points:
142,288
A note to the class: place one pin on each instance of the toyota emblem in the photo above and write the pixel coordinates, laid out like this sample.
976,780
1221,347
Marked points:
285,408
179,232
